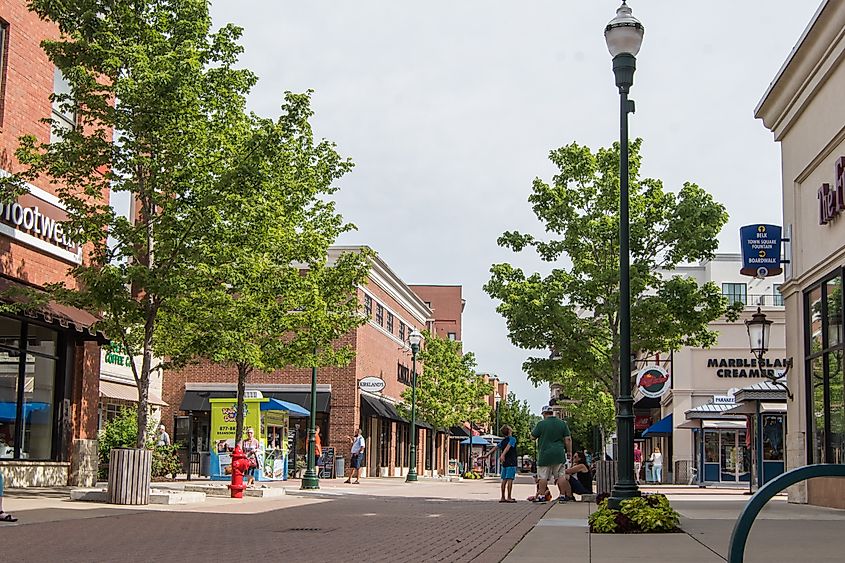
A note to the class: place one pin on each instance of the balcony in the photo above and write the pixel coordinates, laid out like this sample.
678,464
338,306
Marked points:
755,300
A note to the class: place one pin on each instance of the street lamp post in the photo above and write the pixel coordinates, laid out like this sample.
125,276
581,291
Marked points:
311,480
414,340
624,37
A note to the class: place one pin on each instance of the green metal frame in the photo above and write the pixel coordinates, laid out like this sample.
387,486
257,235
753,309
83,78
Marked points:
739,536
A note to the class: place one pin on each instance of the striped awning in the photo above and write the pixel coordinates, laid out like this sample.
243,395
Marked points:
127,392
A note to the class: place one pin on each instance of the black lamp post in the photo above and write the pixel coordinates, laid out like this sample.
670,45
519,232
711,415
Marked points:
414,340
624,37
311,480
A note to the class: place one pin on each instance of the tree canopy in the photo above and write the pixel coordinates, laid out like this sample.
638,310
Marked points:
573,310
449,391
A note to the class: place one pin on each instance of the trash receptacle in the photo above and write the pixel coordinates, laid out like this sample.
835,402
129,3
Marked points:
339,467
205,463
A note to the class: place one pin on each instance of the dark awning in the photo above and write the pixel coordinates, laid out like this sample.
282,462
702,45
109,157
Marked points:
459,431
57,314
386,409
198,400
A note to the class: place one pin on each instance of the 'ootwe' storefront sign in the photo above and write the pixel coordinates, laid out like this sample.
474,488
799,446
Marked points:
760,250
35,221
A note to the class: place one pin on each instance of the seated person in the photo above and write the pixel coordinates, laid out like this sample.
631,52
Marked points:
579,475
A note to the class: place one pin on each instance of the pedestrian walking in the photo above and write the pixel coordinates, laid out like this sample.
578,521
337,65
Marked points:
656,460
162,438
318,447
638,462
553,443
356,457
4,516
507,461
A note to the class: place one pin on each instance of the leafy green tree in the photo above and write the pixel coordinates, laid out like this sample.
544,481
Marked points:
265,296
158,102
574,309
517,414
449,391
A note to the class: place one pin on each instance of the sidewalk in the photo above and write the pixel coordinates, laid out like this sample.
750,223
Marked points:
782,532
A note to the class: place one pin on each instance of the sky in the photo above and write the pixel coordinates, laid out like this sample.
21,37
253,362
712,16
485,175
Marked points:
449,109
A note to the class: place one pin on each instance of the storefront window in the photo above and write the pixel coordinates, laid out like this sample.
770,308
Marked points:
29,371
772,437
824,316
711,446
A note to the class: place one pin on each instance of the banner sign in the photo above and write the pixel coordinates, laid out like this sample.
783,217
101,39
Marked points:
760,250
653,381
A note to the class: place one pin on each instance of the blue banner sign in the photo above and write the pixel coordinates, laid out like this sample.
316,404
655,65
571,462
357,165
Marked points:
760,250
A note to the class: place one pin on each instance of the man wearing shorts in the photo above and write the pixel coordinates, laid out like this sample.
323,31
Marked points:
357,456
507,459
553,442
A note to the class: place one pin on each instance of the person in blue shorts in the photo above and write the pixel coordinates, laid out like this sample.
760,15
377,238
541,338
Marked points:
4,516
507,458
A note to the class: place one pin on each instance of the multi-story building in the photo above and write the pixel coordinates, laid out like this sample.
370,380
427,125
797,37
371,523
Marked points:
691,433
803,108
447,305
49,360
381,351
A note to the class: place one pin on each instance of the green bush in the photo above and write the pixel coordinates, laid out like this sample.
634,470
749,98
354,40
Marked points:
120,432
648,513
166,461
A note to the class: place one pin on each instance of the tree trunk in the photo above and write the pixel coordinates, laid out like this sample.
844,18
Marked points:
243,372
144,380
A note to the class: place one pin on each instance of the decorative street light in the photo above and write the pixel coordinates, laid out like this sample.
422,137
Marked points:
311,480
414,339
759,329
624,37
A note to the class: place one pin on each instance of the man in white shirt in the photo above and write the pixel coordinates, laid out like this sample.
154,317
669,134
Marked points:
357,456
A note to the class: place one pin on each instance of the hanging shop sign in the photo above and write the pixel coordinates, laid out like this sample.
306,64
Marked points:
653,381
760,250
642,422
371,384
35,219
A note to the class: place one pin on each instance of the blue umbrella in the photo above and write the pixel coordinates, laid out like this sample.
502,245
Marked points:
279,405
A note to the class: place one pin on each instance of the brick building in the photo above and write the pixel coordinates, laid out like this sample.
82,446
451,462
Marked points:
381,351
447,305
49,361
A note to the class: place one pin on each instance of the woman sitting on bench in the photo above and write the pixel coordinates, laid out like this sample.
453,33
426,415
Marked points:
579,475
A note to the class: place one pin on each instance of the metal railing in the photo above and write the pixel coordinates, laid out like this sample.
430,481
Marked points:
756,300
739,536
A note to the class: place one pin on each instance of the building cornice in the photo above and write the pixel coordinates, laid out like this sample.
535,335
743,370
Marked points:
819,50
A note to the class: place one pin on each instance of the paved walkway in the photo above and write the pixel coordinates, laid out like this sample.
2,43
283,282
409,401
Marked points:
782,532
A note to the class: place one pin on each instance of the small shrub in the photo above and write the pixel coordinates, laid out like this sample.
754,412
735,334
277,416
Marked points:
648,513
166,461
120,432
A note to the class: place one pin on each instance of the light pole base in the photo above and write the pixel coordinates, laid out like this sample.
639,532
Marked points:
621,492
310,481
412,476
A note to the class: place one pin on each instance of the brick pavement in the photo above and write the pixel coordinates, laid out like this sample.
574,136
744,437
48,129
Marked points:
360,528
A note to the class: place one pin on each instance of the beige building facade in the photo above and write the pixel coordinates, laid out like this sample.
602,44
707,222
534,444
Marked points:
803,108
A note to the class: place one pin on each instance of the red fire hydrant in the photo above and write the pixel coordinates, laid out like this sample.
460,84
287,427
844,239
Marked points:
240,465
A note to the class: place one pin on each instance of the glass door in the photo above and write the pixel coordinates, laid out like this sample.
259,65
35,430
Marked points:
729,456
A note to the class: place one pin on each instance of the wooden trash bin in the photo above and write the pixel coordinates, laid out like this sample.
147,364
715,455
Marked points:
605,476
129,476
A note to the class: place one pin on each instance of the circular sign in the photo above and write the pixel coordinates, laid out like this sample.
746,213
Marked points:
371,384
653,381
762,272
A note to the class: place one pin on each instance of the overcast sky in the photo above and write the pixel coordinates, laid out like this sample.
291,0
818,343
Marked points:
449,109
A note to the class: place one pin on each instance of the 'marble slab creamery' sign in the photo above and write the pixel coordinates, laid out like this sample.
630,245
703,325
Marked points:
745,367
34,221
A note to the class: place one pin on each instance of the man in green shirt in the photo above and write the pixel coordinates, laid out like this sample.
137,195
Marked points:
553,436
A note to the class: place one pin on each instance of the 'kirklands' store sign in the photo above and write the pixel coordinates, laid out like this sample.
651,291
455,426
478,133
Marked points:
745,367
35,221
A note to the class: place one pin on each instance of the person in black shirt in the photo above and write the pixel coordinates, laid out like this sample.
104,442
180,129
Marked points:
579,475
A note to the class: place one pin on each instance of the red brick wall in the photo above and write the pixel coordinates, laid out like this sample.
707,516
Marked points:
447,306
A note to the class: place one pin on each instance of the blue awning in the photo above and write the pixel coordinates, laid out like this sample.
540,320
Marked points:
662,427
279,405
477,441
8,410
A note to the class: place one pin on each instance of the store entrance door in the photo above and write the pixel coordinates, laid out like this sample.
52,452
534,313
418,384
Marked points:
735,458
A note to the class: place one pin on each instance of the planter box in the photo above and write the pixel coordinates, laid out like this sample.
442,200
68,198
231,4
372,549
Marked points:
129,476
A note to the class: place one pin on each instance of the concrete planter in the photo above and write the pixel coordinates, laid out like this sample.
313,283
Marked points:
129,476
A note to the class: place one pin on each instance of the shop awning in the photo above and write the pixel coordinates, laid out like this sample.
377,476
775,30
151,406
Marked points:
277,405
127,392
385,409
724,424
459,431
195,400
9,410
749,407
662,427
477,441
57,314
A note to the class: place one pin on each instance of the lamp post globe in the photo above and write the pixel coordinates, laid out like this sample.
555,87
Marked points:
624,37
414,339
